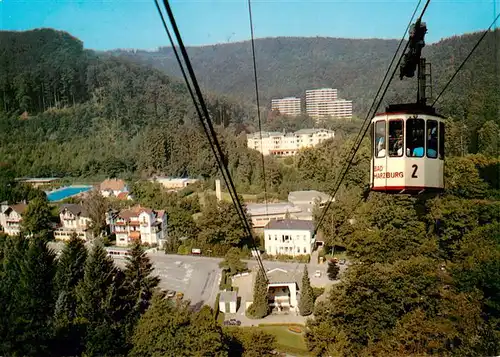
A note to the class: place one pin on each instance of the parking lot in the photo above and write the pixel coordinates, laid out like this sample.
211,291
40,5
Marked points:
197,277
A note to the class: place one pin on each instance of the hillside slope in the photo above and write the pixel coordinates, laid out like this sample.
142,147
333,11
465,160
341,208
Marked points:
289,66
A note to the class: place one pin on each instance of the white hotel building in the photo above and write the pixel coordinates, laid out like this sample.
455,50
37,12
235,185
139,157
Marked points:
321,103
287,144
287,106
289,237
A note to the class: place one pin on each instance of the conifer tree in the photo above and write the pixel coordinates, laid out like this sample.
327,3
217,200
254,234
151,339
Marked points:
33,300
70,271
306,302
37,217
260,306
139,284
14,250
99,304
333,270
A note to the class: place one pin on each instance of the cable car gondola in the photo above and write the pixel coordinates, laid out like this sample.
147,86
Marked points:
408,139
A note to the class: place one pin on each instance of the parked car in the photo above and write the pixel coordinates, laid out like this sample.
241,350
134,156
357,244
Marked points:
232,322
180,296
317,274
342,261
170,294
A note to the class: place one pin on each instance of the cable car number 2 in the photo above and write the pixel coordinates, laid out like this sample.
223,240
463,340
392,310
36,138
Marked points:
414,174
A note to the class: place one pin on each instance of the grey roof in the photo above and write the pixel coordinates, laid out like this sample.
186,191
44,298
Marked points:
279,275
74,208
258,209
293,224
228,296
307,196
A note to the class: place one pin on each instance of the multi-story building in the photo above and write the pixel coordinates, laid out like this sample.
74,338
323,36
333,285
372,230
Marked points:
138,223
340,109
287,144
11,217
322,103
74,219
289,237
287,106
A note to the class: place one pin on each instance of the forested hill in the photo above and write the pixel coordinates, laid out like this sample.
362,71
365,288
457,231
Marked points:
67,111
287,66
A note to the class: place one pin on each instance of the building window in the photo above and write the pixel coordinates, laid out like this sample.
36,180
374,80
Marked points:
305,250
269,237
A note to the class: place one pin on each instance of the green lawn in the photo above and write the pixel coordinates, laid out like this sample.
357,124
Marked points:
287,341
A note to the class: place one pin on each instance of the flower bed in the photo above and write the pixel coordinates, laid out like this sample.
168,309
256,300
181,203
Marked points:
295,329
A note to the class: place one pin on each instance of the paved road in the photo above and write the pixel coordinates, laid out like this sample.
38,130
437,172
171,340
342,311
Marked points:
198,277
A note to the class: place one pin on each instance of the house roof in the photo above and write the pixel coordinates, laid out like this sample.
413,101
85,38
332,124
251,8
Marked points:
122,196
260,209
228,296
282,276
77,210
18,208
307,196
291,224
134,212
112,184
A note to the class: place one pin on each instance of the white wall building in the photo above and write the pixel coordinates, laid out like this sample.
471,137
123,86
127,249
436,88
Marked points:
173,183
289,237
228,301
73,219
139,223
287,144
287,106
11,217
323,103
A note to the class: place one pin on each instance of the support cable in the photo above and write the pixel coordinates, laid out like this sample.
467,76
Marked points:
355,146
258,103
466,59
209,129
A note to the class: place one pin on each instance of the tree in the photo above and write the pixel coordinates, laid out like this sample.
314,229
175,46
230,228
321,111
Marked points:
259,307
232,262
306,302
139,282
33,302
489,139
96,207
99,304
251,342
333,270
70,271
36,218
168,329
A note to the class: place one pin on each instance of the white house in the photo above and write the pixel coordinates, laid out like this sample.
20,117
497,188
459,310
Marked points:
11,217
139,223
174,183
228,302
289,237
113,187
73,219
287,144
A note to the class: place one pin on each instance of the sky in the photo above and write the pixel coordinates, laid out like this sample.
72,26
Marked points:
111,24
